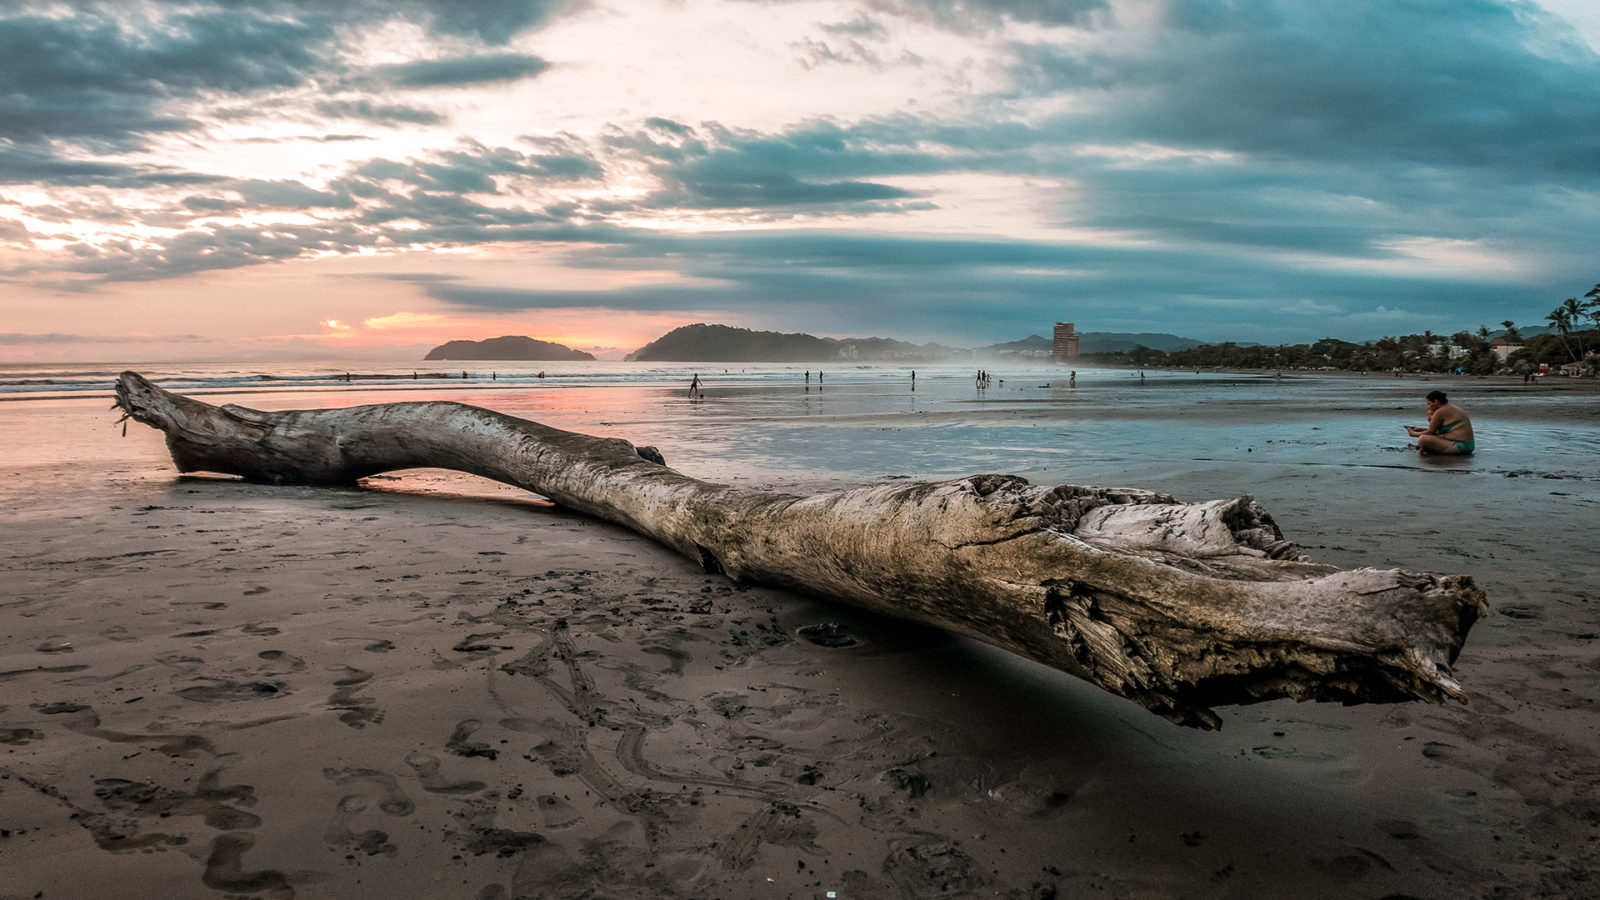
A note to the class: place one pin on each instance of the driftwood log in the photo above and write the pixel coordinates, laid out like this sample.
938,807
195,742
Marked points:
1179,607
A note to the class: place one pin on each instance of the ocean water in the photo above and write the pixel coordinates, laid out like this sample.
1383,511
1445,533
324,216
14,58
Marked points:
767,425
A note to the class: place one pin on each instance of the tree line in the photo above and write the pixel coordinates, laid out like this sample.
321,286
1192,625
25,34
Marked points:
1464,351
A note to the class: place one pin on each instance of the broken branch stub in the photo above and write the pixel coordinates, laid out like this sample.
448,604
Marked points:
1179,607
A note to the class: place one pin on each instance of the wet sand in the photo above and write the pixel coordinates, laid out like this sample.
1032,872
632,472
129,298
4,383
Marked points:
435,687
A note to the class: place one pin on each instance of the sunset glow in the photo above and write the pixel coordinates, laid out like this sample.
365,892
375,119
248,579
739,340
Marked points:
375,179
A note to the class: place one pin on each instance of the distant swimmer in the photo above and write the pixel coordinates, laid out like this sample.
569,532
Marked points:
1448,431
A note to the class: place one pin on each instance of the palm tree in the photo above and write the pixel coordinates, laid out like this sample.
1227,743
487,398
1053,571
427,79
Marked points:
1593,306
1512,336
1575,312
1562,320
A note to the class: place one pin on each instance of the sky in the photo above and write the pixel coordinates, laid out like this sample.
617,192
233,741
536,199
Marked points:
337,179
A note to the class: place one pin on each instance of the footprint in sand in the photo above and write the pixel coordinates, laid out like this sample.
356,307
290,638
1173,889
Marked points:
1352,865
355,711
778,824
225,869
84,720
288,661
392,800
221,690
185,664
675,657
212,788
557,813
340,835
927,865
19,736
427,768
828,634
371,645
142,798
461,746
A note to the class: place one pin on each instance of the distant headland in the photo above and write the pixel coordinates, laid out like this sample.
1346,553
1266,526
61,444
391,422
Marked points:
507,347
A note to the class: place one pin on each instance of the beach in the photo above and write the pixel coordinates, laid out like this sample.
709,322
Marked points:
431,685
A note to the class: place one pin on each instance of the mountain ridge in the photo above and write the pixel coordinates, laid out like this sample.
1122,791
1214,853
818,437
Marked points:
507,347
703,342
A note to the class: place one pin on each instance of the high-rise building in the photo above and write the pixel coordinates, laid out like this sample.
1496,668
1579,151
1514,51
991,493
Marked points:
1065,347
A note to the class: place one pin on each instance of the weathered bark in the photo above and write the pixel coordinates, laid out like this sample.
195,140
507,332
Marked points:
1179,607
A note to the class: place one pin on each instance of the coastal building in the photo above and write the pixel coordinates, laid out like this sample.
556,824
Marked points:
1064,348
1503,347
1589,365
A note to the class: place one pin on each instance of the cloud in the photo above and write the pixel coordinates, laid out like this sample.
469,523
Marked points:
476,169
14,232
965,15
392,115
1338,83
284,194
464,70
14,339
92,77
433,201
109,76
40,166
493,22
804,170
48,338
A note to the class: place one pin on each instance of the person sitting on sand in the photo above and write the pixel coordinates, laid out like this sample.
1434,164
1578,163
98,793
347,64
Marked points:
1449,431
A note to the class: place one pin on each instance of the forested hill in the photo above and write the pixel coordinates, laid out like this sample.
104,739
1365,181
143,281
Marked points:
1092,342
507,347
1114,342
724,343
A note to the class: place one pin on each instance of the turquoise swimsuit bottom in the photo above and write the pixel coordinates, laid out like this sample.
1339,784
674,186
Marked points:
1462,447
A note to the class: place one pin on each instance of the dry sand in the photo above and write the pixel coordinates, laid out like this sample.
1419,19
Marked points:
435,688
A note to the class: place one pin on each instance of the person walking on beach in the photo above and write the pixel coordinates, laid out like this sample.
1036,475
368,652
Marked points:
1448,431
1072,379
694,386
